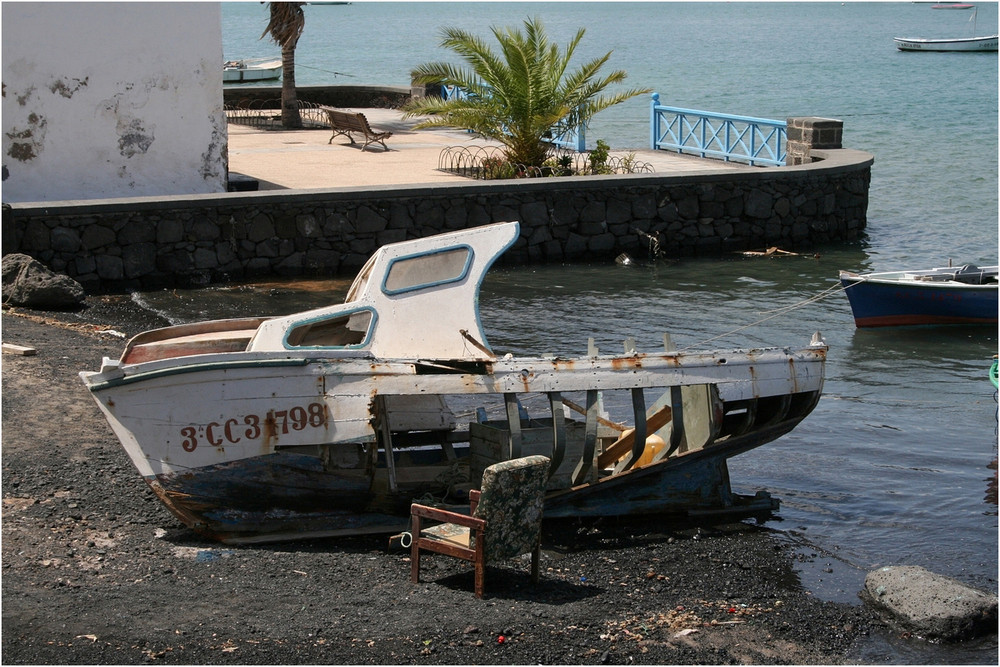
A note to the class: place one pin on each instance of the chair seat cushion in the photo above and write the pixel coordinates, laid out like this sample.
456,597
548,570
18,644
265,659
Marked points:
449,532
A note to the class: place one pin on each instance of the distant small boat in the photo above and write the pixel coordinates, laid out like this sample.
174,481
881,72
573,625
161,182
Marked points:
949,295
236,71
957,44
981,44
953,5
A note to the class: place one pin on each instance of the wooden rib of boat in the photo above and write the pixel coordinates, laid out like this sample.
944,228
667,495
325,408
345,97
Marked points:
332,421
948,295
984,44
241,71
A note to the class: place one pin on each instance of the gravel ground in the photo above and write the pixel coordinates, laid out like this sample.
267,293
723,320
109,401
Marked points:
95,570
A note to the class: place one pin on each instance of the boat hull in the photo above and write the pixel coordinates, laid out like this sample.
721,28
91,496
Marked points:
981,44
887,303
280,497
305,458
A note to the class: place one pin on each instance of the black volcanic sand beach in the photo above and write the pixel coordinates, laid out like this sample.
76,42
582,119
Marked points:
95,570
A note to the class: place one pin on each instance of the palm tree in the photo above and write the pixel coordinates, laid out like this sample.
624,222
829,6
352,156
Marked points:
285,27
520,95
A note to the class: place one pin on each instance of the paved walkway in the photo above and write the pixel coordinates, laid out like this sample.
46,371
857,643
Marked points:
302,159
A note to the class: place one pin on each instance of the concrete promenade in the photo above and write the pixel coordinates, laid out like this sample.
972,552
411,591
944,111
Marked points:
302,159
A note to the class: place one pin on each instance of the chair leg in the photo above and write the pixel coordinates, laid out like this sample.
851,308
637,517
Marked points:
480,564
415,550
480,577
535,556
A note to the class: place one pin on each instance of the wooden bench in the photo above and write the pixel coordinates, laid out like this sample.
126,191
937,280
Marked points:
343,122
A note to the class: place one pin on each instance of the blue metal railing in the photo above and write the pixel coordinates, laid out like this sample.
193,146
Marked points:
756,141
574,139
452,93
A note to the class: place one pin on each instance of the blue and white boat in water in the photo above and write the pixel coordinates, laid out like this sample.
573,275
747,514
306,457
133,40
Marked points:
251,69
985,43
947,295
334,420
982,44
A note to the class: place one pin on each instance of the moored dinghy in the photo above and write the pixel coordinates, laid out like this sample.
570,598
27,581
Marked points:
981,44
945,295
252,69
332,421
987,43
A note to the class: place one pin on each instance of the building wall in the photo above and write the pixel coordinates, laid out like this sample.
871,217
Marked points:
112,100
146,243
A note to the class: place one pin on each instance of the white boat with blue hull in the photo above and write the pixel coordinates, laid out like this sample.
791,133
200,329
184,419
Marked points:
951,295
251,69
982,44
333,420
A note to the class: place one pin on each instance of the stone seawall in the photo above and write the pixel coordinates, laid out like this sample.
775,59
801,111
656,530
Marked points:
145,243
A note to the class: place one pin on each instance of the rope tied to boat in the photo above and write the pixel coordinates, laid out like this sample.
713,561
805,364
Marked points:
771,314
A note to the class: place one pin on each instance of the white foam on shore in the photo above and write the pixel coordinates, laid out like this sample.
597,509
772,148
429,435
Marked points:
140,300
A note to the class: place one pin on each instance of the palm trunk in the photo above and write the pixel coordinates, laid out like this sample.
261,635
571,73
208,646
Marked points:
290,116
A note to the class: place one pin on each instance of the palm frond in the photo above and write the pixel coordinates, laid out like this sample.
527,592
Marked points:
519,93
286,24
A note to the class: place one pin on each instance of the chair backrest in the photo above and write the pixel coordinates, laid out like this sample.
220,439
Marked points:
513,493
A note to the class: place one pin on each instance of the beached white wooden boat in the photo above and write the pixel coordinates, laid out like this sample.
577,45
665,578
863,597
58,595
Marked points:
261,69
958,44
333,420
945,295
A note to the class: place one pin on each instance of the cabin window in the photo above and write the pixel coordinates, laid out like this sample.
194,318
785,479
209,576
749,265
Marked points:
346,330
416,272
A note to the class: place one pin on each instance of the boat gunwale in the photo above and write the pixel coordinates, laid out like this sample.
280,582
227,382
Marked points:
529,368
910,278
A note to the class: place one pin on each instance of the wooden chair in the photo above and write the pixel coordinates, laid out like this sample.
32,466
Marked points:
505,520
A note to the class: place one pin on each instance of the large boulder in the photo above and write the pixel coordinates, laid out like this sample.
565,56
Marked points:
931,605
27,282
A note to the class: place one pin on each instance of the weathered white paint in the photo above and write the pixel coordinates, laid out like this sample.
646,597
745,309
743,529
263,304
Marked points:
112,100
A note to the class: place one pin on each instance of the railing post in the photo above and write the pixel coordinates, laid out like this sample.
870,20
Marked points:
730,131
654,121
419,90
805,134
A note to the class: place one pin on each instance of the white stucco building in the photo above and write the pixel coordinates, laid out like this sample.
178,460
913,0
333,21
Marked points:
112,100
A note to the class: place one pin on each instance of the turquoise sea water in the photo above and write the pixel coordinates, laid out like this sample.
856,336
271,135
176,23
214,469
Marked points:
897,465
